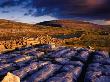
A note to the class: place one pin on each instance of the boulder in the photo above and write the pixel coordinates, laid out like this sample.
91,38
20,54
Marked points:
11,78
2,48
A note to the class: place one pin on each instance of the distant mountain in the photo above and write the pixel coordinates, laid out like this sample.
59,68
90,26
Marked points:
71,24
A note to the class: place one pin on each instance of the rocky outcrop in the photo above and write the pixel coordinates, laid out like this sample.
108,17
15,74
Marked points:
45,63
12,44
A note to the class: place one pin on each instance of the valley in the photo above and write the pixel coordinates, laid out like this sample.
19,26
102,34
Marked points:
57,32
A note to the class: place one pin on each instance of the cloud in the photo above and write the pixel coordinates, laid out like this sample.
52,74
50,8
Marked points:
93,9
107,22
69,8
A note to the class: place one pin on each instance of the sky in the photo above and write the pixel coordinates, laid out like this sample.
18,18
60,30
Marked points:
34,11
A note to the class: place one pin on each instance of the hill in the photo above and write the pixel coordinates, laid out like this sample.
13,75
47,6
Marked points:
79,33
59,32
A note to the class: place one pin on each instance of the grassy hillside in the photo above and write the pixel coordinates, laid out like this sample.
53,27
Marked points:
78,33
67,32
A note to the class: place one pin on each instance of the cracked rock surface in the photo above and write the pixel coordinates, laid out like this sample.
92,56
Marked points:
62,64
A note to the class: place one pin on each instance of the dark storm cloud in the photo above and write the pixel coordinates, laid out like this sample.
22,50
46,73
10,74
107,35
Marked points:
71,8
66,8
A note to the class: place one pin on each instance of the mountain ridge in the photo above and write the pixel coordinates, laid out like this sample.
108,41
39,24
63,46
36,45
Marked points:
66,22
